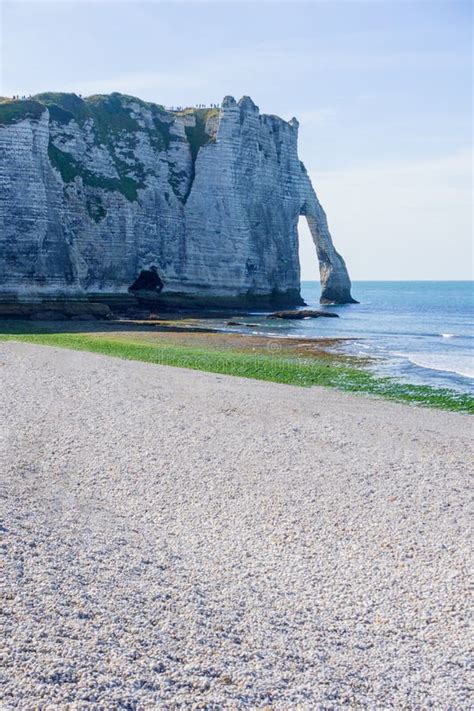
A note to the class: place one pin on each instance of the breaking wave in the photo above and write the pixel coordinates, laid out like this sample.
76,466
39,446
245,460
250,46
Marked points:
459,364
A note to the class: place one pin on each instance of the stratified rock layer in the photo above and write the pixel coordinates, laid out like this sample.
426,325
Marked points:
95,192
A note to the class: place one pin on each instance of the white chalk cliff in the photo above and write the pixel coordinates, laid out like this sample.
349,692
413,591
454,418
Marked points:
94,191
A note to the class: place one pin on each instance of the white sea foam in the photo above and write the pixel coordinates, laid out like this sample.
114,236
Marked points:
447,335
460,364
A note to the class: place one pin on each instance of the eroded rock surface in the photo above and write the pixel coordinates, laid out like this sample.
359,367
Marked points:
95,192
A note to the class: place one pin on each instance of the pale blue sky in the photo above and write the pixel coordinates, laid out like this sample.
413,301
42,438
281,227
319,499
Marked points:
382,91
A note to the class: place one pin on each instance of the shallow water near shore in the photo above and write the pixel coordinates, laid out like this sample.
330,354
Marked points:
420,331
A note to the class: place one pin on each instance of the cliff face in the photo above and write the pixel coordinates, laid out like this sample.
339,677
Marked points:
94,191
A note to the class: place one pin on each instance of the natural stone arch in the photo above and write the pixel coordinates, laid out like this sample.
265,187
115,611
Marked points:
334,277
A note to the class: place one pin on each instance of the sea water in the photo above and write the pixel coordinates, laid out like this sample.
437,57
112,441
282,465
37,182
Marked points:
418,331
422,331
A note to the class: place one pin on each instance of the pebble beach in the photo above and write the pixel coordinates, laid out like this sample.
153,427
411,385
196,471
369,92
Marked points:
179,539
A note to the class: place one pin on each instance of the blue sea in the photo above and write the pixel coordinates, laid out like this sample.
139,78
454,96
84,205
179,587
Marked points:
419,331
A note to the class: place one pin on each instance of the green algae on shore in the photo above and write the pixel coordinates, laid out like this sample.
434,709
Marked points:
202,351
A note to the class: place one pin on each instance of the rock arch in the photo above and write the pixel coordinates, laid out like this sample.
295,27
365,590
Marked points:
335,281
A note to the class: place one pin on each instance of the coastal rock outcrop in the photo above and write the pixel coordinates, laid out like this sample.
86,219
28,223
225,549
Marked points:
302,313
99,196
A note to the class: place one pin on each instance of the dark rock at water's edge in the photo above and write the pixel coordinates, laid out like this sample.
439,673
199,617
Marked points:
57,310
48,316
328,301
172,301
304,313
111,193
83,317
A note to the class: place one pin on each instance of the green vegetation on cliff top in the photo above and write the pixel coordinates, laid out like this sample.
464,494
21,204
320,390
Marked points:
110,118
107,110
197,135
12,111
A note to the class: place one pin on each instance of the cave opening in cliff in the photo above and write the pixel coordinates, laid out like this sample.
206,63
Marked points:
147,280
307,252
